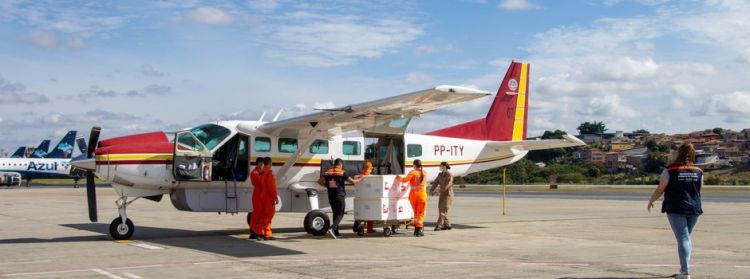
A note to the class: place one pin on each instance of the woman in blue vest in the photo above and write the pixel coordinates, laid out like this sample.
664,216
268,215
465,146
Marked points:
681,185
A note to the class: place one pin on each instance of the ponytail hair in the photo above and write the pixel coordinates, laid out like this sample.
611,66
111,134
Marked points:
685,155
418,164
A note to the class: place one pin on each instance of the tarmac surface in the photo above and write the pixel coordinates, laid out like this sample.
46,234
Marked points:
45,233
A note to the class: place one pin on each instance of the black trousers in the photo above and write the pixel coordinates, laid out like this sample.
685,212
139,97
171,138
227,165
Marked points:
338,206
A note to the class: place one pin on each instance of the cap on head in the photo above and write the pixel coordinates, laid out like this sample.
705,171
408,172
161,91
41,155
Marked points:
446,165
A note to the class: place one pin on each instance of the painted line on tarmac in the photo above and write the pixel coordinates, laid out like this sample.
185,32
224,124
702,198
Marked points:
106,273
131,275
47,272
742,266
146,246
26,262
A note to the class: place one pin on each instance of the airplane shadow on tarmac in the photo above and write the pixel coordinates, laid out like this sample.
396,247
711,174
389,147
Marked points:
214,241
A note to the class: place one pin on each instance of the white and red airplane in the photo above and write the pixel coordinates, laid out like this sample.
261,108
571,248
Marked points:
206,168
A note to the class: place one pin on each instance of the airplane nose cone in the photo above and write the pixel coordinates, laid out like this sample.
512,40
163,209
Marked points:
84,163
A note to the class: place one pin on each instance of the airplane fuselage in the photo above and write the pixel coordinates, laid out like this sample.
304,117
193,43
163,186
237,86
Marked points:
148,173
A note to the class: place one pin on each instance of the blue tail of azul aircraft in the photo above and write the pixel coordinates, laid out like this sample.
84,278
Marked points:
20,152
64,149
41,150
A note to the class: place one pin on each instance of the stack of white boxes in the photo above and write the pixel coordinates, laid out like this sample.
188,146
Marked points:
382,197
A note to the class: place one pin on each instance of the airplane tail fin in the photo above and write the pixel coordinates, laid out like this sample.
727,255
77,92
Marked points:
507,118
41,150
20,152
64,149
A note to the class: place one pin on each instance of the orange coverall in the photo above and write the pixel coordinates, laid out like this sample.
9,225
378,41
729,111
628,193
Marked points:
255,177
418,195
267,201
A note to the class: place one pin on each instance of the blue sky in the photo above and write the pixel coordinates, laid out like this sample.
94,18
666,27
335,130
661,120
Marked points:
135,66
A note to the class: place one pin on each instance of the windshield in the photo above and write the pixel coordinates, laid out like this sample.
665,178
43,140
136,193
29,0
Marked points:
210,134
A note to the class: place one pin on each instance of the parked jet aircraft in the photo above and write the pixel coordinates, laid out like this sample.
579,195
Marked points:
206,168
55,164
20,152
40,150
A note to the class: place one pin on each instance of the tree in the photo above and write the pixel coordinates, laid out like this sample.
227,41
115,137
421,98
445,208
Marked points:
718,130
641,131
596,128
557,134
652,145
655,162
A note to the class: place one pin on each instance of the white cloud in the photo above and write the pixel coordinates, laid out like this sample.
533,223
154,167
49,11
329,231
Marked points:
733,106
14,93
607,106
417,78
148,70
341,40
264,5
40,38
433,49
517,5
210,15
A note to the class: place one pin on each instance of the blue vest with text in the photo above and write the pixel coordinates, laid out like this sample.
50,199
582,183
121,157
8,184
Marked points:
683,193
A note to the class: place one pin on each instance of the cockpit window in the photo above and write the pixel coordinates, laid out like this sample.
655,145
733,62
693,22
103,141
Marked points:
211,134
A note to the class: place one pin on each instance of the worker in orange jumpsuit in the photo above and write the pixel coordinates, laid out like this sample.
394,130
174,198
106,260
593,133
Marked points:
268,199
367,171
417,179
255,179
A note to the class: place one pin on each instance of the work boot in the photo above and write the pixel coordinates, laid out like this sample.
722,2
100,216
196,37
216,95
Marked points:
269,238
421,232
254,236
447,228
416,231
437,228
337,234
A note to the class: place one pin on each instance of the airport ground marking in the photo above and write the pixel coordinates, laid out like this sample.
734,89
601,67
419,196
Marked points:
26,262
106,273
444,262
146,246
742,266
47,272
135,267
131,275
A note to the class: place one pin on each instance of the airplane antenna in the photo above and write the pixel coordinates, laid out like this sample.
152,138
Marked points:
262,116
278,114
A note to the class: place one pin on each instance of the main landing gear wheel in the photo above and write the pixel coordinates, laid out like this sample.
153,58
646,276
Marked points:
120,231
387,232
394,228
317,223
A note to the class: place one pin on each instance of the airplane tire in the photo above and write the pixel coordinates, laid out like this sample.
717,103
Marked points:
120,231
317,223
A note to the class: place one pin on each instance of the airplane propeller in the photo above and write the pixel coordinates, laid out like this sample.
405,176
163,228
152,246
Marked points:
81,142
90,184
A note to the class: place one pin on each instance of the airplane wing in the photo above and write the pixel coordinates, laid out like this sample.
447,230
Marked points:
371,114
529,145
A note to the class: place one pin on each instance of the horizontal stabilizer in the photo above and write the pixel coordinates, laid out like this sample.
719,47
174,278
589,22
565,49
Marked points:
529,145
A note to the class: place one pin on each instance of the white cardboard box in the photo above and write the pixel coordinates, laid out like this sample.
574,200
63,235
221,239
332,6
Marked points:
381,186
382,209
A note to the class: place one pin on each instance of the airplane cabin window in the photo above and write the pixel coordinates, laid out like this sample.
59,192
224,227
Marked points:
352,148
262,144
413,150
211,134
319,147
287,145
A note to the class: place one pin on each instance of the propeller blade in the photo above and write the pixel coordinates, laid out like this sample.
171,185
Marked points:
93,141
81,142
91,195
